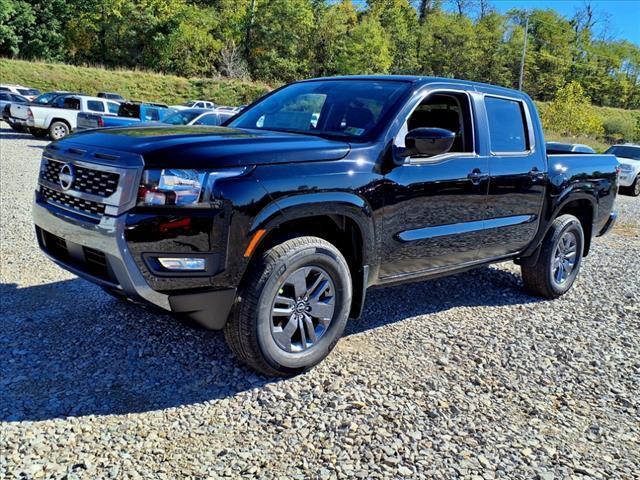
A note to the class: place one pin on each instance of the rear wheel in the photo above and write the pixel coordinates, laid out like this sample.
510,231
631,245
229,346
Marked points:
293,307
559,260
58,130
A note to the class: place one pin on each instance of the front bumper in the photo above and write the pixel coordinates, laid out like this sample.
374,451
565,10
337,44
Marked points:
99,253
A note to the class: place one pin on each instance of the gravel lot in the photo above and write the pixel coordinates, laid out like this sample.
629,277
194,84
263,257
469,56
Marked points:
460,377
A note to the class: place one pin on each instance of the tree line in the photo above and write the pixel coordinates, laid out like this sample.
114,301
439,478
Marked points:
279,41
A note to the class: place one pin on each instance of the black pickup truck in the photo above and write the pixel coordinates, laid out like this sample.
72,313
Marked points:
274,226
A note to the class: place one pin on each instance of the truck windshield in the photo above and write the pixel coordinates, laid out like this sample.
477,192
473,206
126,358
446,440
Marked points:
625,152
333,108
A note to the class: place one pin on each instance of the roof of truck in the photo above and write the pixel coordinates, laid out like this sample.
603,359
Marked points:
423,80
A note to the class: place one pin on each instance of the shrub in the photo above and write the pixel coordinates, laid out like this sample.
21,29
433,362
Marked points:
570,113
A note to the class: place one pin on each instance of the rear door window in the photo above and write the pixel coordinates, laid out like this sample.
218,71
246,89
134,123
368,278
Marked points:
113,107
152,114
95,106
5,97
71,103
507,125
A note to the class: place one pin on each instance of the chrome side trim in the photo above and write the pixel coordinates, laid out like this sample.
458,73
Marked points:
466,227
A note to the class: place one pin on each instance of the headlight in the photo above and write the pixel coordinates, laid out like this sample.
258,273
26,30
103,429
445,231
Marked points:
625,167
175,186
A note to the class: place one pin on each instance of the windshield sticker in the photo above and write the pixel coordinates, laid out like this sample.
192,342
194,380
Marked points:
356,132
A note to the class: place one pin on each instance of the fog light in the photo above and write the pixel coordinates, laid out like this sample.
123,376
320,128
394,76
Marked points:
184,263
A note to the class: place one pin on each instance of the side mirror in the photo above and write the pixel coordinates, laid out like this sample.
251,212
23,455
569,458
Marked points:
427,142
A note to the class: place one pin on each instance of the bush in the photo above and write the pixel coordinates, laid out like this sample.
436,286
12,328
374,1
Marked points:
570,113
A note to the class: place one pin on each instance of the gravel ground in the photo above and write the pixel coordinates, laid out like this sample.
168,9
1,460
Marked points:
464,376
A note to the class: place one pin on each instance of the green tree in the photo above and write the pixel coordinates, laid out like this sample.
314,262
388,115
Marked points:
444,48
281,39
366,49
400,22
549,51
333,25
190,48
571,113
494,59
16,18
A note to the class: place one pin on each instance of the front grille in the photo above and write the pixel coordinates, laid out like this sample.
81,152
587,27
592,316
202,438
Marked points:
73,203
95,182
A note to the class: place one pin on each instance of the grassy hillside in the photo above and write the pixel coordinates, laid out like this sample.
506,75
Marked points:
139,85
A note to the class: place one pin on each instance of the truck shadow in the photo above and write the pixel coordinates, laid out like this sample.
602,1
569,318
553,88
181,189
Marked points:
68,349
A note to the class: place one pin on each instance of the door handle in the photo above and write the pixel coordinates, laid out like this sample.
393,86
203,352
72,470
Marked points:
476,176
535,173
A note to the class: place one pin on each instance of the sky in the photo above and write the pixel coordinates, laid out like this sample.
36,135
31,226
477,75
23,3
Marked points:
623,15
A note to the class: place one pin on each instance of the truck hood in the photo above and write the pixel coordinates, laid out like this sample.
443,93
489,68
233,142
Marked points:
209,147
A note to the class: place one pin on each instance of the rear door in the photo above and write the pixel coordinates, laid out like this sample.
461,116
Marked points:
518,174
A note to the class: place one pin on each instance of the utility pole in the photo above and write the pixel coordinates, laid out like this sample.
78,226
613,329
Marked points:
524,52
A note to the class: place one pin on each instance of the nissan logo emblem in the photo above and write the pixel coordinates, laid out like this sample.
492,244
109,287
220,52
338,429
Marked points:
67,175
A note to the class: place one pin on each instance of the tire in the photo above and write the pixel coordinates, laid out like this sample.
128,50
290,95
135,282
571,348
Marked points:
634,188
564,240
58,130
274,335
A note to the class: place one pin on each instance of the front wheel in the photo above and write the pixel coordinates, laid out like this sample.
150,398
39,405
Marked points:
293,307
559,261
58,130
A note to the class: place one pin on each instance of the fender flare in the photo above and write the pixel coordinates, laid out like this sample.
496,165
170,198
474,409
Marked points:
345,204
554,208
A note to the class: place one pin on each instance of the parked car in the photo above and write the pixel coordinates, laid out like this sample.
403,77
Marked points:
629,157
557,147
30,93
198,116
18,112
6,99
129,113
195,104
274,233
57,123
111,96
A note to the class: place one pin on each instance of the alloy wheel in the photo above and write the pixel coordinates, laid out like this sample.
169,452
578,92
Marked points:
58,132
303,309
564,258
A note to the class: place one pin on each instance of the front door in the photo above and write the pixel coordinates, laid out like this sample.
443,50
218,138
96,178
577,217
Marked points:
435,207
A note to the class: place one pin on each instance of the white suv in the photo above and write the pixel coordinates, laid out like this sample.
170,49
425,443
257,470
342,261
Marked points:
629,157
